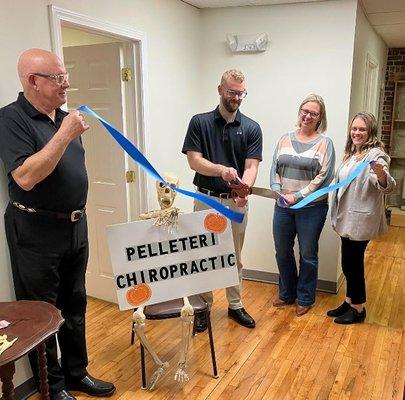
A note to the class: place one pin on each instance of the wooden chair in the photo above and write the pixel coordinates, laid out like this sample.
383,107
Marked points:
171,309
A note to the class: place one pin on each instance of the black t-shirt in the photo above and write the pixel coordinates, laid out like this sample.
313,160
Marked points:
23,132
228,144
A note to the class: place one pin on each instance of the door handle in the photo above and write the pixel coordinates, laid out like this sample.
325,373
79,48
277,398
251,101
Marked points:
130,176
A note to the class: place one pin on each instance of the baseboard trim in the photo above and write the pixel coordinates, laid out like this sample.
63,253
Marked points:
25,390
272,277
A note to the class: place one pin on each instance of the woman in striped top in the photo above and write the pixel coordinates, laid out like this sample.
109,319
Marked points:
303,162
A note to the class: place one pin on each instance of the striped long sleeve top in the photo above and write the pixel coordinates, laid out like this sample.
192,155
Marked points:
302,168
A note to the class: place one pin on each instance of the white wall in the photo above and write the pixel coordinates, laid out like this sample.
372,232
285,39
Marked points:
367,42
173,65
310,50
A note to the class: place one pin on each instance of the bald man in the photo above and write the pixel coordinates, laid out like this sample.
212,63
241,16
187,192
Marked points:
45,221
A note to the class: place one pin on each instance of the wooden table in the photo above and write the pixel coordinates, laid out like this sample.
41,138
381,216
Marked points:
32,322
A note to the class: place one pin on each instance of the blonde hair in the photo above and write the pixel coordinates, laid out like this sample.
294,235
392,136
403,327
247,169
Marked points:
372,140
315,98
233,74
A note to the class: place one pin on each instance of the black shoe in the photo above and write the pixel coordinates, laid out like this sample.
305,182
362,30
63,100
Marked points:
351,317
62,395
91,386
242,317
200,322
337,312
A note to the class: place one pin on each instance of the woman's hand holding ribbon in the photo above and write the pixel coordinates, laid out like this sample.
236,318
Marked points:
378,169
289,199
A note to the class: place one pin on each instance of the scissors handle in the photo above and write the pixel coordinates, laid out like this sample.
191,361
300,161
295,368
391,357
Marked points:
239,188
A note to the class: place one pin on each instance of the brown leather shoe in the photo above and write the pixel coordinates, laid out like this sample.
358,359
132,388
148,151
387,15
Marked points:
282,303
301,310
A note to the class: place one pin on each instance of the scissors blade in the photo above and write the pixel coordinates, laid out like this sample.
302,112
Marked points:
263,192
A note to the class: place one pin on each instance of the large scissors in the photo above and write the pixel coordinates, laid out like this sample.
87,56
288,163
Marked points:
240,189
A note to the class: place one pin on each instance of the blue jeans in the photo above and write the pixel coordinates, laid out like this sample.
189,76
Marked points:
307,224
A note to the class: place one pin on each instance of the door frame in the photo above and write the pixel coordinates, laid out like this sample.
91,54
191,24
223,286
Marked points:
135,98
371,87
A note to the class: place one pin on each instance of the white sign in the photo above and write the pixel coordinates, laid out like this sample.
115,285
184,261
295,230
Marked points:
152,265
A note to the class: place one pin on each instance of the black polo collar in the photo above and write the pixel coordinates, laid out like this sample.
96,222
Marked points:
32,112
219,116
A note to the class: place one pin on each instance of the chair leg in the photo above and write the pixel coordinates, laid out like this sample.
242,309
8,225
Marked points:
143,370
214,361
132,333
194,328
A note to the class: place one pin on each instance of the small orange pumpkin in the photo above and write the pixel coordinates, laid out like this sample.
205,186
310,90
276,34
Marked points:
215,223
138,294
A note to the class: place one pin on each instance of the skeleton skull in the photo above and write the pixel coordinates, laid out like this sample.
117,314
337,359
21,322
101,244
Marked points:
165,193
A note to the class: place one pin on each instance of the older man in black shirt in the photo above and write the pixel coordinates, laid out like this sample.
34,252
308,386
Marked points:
220,146
45,220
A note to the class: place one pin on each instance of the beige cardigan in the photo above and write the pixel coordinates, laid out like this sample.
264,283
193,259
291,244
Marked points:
359,214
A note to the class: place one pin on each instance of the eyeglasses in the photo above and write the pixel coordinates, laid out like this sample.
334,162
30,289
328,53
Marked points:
58,78
310,113
234,93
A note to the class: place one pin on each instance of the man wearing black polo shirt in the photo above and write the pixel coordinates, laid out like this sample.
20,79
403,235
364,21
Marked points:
45,220
220,146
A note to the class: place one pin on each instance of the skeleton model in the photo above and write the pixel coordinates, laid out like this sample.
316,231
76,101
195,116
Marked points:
166,216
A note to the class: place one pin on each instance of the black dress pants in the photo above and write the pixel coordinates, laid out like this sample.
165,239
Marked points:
353,269
48,261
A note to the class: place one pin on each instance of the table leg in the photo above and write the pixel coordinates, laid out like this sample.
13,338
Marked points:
43,371
6,375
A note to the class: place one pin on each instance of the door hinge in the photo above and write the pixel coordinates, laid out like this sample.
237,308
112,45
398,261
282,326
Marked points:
126,74
130,176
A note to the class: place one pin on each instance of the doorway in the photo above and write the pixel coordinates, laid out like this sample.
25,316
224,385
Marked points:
371,92
105,73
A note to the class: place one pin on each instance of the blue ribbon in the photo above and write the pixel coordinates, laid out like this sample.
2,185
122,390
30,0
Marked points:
138,157
318,193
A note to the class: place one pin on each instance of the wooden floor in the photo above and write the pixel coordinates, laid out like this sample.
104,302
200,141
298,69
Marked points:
285,357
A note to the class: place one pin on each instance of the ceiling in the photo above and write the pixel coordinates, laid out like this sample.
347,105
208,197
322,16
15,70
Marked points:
386,16
388,19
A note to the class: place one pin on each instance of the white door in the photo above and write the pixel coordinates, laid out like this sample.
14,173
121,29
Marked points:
370,97
95,80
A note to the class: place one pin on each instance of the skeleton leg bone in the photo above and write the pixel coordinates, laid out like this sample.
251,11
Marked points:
187,314
139,318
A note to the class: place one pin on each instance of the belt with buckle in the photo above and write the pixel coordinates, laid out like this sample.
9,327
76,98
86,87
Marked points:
72,216
215,194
